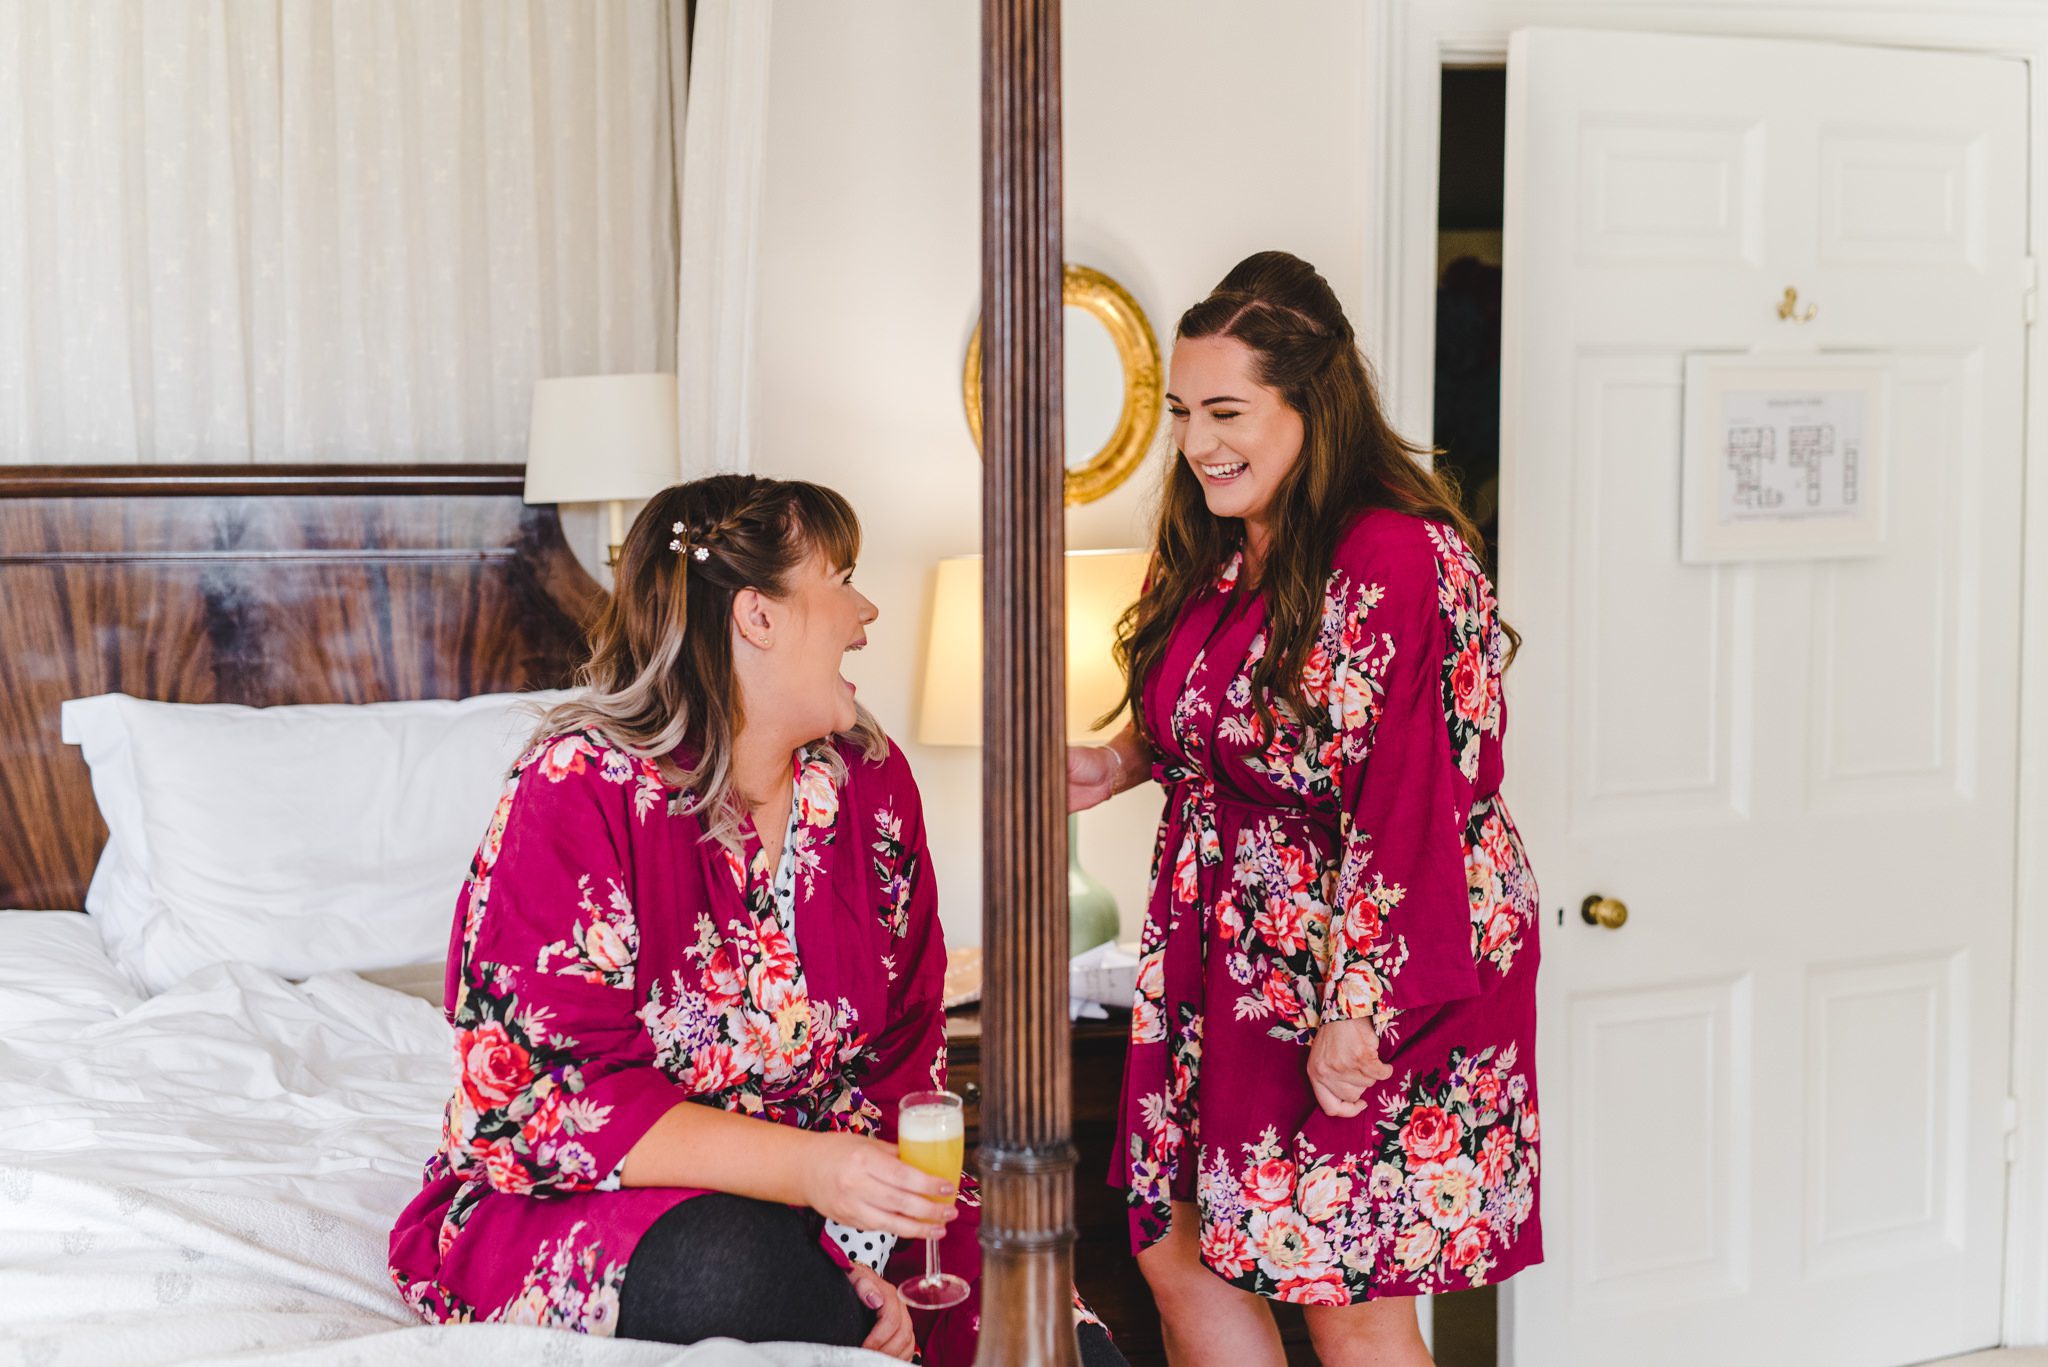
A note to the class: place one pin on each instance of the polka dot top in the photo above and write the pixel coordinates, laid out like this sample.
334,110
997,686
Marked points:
863,1246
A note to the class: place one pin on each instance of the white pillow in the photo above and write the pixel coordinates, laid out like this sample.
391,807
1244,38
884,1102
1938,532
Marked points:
299,839
55,973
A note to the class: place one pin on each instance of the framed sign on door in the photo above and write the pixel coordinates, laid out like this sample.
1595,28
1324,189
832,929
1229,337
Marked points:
1784,456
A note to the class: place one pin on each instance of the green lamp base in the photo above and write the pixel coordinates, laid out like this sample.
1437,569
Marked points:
1091,910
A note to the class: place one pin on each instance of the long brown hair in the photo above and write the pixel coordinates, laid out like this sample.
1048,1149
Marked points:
1351,459
659,682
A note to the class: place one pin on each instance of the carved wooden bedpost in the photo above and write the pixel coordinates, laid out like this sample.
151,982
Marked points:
1027,1157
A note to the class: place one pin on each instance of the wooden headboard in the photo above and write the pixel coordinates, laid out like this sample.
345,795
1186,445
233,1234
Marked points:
258,585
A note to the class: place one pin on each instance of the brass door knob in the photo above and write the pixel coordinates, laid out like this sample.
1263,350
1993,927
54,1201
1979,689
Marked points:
1610,912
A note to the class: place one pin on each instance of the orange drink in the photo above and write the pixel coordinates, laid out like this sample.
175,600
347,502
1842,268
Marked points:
932,1139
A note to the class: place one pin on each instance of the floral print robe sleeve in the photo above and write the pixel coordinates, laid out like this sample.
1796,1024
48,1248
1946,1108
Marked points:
910,1053
558,1078
1400,926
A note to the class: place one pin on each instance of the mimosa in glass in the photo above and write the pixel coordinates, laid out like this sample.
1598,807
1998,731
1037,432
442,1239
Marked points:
931,1136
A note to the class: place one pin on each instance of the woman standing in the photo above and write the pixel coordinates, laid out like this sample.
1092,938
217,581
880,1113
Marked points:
695,966
1330,1097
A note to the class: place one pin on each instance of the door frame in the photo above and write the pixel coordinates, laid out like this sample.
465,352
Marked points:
1409,43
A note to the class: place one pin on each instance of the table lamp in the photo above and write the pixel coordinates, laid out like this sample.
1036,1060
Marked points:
1100,585
602,439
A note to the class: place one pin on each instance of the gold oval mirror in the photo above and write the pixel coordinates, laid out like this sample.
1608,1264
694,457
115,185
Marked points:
1092,297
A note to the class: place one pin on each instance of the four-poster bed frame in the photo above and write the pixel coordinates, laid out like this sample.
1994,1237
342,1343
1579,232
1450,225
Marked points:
1027,1154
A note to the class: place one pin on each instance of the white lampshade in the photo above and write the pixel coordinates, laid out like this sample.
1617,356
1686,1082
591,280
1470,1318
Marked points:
602,438
1100,585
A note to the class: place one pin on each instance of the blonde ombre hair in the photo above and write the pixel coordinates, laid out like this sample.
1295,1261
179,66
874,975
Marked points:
660,683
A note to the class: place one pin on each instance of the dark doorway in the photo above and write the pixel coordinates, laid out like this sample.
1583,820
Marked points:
1471,164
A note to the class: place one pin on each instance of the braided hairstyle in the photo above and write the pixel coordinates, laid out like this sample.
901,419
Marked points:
660,682
1351,459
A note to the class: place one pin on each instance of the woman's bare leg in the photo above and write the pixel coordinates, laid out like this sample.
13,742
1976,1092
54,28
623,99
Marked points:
1380,1333
1205,1320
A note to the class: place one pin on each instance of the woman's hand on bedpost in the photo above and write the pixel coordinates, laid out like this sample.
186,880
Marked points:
1097,773
861,1182
1091,776
892,1332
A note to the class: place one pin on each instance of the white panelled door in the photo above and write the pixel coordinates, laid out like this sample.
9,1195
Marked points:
1774,1098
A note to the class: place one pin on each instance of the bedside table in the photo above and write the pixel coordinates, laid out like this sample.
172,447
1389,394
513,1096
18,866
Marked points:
1104,1269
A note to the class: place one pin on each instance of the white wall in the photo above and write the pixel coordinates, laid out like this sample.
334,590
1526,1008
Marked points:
1197,131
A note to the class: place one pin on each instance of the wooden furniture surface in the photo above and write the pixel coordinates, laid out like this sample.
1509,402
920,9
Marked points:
1104,1269
258,585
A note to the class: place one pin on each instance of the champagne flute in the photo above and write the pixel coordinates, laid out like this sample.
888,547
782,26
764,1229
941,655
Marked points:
931,1136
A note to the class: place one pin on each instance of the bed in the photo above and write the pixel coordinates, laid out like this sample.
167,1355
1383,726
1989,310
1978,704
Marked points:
353,585
200,1157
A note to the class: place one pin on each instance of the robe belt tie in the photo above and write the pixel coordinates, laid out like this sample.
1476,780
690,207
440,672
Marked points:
1195,796
1202,789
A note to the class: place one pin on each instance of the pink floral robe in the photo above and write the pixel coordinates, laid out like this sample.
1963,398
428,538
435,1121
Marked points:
1359,866
608,963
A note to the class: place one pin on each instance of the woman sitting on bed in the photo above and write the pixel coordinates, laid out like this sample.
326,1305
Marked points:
696,962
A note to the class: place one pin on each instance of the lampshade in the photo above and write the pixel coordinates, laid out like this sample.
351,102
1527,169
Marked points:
597,438
1100,585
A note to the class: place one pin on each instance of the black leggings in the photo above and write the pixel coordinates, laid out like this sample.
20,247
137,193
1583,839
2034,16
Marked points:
719,1266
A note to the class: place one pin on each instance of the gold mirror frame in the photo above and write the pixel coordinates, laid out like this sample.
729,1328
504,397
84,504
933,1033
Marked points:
1144,382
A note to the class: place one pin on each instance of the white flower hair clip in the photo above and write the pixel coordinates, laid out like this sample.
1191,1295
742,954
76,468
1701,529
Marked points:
679,545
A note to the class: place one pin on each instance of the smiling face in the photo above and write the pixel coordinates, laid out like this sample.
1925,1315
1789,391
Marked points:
788,651
1238,437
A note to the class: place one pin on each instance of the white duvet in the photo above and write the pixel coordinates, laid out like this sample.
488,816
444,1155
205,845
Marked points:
210,1174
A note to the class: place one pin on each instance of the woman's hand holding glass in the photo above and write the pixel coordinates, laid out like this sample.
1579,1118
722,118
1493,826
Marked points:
861,1182
931,1134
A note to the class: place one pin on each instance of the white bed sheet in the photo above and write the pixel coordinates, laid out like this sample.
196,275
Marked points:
211,1174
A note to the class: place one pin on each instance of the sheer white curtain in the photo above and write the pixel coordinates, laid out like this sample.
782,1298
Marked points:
295,230
723,163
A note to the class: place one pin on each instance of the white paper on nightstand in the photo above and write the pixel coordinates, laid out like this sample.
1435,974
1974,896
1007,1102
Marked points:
1106,975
